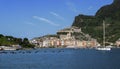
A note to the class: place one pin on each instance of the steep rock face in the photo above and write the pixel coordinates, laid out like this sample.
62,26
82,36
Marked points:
93,24
80,20
116,2
112,11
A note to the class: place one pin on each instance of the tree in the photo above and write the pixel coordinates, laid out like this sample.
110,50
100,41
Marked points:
1,35
25,43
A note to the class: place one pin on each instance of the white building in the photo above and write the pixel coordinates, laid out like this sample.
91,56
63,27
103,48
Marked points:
118,42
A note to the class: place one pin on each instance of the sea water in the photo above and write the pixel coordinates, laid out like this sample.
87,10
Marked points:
60,58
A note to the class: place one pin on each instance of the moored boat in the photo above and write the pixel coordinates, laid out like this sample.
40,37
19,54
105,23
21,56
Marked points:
104,48
7,48
107,48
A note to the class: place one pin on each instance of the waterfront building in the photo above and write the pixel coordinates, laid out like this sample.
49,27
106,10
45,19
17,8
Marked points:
118,42
34,41
79,43
66,37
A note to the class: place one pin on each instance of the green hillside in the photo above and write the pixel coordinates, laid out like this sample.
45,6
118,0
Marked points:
10,40
92,25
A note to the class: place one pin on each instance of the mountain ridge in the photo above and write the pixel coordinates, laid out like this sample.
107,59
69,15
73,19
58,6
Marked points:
92,25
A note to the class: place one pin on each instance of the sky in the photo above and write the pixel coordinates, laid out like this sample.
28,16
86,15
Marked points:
35,18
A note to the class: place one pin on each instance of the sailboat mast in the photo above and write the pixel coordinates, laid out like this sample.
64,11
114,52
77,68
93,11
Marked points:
103,33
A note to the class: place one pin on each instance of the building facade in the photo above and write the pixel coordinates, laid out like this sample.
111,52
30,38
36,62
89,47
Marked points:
65,39
118,42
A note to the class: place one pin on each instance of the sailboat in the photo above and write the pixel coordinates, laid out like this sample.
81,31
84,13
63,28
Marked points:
104,47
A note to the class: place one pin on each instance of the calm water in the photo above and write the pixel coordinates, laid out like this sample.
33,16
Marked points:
60,59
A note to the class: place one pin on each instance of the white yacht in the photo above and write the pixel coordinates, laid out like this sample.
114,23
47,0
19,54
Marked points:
103,47
70,47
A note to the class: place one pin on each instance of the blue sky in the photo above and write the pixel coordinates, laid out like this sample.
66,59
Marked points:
34,18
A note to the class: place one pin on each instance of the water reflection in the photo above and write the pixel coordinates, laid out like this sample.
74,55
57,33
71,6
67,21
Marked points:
60,59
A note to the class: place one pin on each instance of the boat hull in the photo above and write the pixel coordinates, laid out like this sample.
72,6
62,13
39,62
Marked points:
106,49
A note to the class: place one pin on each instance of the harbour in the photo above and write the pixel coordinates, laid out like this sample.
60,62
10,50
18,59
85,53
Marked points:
59,34
60,58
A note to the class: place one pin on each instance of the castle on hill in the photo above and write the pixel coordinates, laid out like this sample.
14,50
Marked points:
68,37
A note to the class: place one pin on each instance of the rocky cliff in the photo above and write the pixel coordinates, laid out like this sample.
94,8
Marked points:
93,24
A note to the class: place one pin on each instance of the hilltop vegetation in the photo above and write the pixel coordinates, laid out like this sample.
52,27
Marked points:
10,40
93,25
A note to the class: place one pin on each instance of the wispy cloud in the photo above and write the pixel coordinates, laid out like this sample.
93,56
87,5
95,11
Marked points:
72,6
45,20
30,23
57,15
